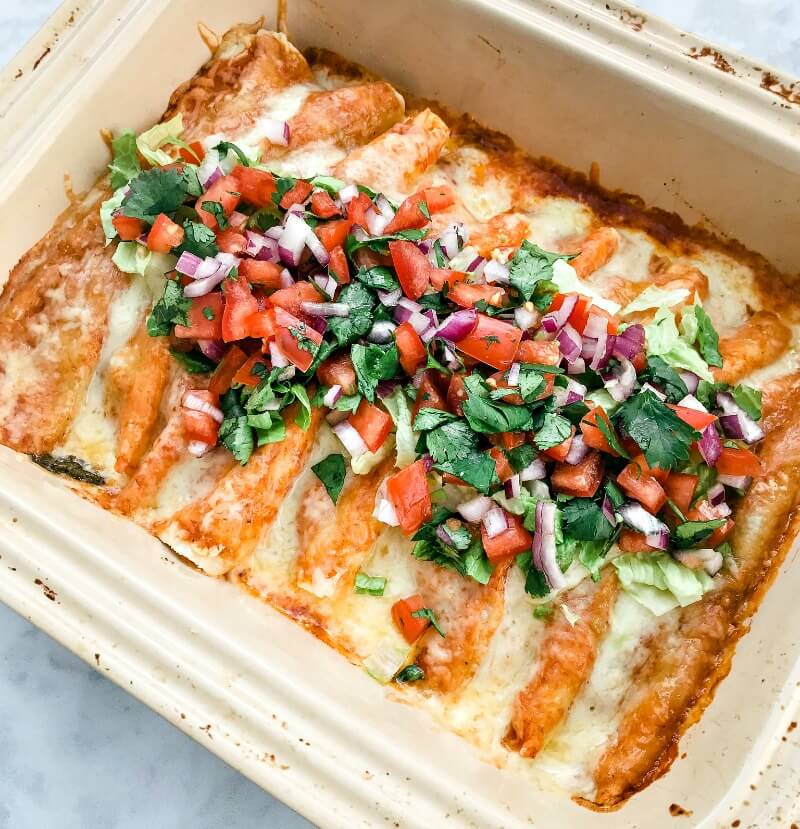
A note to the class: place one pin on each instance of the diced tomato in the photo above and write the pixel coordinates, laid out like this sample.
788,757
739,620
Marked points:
630,541
705,511
560,452
291,299
738,462
333,234
411,215
338,267
580,313
694,417
428,395
357,210
233,359
239,305
410,346
128,229
491,341
338,371
372,423
258,272
412,627
466,294
298,194
256,186
540,352
232,241
657,472
456,394
643,487
200,327
164,234
194,155
199,426
408,492
509,440
262,325
504,469
447,478
581,479
439,198
592,436
444,276
323,205
245,375
297,340
639,362
512,541
412,266
224,190
680,488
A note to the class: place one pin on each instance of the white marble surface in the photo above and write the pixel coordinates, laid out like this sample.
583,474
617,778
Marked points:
76,751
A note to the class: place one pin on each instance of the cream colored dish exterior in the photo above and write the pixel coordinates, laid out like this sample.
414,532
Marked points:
687,129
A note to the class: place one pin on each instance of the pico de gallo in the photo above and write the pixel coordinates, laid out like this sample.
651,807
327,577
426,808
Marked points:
529,418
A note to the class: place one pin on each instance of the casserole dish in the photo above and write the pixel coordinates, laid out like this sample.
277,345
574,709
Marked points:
776,253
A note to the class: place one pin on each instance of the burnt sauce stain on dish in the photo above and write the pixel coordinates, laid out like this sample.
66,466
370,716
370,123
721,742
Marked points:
633,20
676,810
70,466
46,589
718,60
788,91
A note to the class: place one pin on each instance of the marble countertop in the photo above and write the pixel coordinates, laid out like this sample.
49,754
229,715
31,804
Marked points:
75,750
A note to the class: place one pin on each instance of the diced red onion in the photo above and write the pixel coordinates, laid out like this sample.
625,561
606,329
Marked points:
327,284
569,341
409,304
350,438
192,400
332,396
659,540
443,535
276,132
596,326
639,519
709,445
376,221
740,482
198,448
494,272
382,332
710,560
416,380
385,512
201,287
208,267
237,219
427,462
629,343
389,298
208,171
544,545
577,367
458,325
608,510
213,349
512,486
286,280
575,391
513,374
535,471
494,522
326,309
526,319
386,389
578,450
188,263
384,206
476,266
278,358
318,250
620,386
474,509
261,247
451,359
691,402
451,241
690,380
555,320
293,240
348,193
274,232
736,422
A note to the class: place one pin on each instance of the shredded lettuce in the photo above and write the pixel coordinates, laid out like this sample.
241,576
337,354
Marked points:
389,657
131,257
365,463
566,278
655,297
107,209
150,141
665,341
405,439
659,582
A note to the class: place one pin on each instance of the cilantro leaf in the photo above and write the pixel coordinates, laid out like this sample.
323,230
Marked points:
170,310
154,191
453,447
555,430
198,239
530,266
707,392
380,244
331,471
216,209
283,184
70,466
611,436
691,533
431,418
521,457
224,147
378,278
584,520
535,582
359,321
411,673
488,416
125,164
369,585
662,435
427,613
748,399
235,433
707,338
195,362
661,374
373,363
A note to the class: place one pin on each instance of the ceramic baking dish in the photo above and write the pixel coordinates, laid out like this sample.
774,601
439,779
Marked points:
691,130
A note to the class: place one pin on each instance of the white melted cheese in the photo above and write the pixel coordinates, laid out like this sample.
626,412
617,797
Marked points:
555,219
483,193
631,259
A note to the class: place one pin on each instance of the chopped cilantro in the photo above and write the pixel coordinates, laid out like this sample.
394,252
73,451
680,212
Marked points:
154,191
521,457
662,375
235,433
535,582
411,673
707,338
198,239
531,266
428,418
692,533
378,278
583,519
554,431
170,310
208,313
216,209
427,613
224,147
488,416
380,244
373,363
454,449
195,362
361,301
542,611
283,184
331,471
